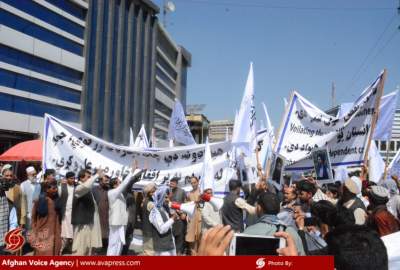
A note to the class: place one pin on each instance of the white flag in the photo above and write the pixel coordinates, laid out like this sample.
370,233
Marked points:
141,139
207,176
387,109
344,109
394,166
131,139
376,164
246,120
178,129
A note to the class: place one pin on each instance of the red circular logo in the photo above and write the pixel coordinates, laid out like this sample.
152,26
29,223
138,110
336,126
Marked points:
14,240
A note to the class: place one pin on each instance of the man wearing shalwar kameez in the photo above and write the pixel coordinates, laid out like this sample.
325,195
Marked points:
85,216
118,212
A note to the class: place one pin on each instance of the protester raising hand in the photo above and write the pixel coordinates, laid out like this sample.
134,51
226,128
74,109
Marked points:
215,241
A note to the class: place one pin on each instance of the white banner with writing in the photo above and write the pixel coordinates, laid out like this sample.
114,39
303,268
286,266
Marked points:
306,127
66,148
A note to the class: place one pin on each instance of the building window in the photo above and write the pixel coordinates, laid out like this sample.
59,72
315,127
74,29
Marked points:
397,145
70,7
167,80
32,107
392,146
383,146
166,66
162,108
48,16
24,60
40,33
35,86
161,121
164,90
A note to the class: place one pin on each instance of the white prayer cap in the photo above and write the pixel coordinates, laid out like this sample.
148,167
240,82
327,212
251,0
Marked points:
6,167
358,182
30,169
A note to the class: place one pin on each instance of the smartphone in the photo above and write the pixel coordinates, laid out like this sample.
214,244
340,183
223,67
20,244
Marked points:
246,244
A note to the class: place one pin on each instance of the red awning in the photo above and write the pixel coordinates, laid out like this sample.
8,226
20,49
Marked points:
28,151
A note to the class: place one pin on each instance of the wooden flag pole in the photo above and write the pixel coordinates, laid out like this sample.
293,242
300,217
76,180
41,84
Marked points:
376,114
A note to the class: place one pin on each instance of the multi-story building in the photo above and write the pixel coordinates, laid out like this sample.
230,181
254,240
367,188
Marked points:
41,65
199,127
134,71
219,128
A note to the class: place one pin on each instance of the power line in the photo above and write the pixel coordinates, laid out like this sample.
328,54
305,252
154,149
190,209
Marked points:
255,5
358,73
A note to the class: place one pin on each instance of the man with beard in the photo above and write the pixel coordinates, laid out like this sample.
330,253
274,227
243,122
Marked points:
30,189
101,198
178,195
66,196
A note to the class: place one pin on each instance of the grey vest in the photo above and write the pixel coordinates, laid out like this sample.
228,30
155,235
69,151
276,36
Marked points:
163,242
231,214
83,210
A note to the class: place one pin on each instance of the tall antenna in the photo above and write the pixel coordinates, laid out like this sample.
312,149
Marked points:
333,94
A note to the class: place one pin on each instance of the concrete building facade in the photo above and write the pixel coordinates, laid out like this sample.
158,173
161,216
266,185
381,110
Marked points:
41,65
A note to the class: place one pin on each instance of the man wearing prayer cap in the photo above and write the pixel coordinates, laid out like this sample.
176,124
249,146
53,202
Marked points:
380,218
352,202
30,190
148,204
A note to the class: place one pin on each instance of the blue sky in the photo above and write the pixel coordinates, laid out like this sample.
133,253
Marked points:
304,45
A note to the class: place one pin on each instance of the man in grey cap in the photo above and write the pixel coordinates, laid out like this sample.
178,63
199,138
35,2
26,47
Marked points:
380,218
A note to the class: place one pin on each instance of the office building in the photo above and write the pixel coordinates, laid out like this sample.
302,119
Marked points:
133,73
42,64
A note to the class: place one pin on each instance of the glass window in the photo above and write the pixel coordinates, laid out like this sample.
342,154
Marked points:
165,78
162,108
398,145
170,70
25,83
167,48
392,146
70,7
31,62
47,15
40,33
37,108
383,146
163,89
161,121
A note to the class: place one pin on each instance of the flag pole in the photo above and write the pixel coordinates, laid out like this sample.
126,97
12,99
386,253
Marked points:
387,160
285,114
376,114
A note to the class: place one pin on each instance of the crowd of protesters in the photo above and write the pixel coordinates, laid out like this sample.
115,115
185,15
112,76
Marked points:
96,214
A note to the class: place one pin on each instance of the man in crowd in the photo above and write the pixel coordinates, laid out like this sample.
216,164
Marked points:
380,219
268,224
147,229
66,197
193,233
162,222
118,214
30,189
85,215
8,214
305,192
352,202
179,228
210,216
14,193
232,209
101,198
